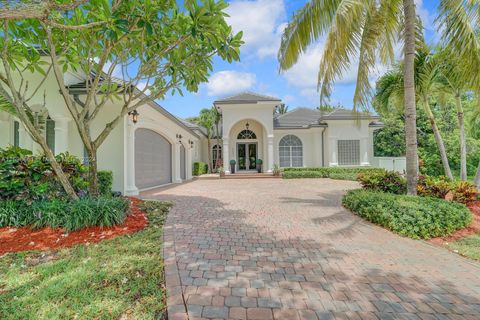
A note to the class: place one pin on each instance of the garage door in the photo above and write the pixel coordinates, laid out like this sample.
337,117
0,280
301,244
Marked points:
183,167
153,159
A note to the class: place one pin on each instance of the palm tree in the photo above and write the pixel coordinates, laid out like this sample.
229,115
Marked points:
389,93
281,109
453,72
475,132
217,118
365,28
207,120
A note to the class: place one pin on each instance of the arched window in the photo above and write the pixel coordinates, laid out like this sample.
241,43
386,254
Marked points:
290,151
216,155
246,134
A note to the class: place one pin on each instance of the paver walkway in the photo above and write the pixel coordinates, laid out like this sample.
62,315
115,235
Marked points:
286,249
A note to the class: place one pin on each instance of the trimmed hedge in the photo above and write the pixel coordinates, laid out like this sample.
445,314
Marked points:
200,168
55,213
327,172
414,217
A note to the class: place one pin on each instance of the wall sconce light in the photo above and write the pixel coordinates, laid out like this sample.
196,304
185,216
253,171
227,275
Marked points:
247,125
190,142
134,115
179,137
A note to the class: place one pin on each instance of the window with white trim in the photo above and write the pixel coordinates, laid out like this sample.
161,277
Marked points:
348,152
246,134
216,154
290,151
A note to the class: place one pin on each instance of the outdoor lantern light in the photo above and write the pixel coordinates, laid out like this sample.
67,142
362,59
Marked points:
247,125
190,142
134,115
179,137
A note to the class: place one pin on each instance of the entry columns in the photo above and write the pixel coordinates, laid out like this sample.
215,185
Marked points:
131,188
270,153
226,156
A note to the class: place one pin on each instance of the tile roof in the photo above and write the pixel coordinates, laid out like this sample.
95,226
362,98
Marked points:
246,97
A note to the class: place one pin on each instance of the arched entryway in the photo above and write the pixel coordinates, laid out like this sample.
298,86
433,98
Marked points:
153,159
247,144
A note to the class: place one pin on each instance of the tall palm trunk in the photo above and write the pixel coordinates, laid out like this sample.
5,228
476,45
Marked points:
463,142
209,147
409,98
476,181
438,139
219,152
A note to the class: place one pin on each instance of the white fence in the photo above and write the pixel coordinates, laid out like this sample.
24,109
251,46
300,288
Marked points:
398,164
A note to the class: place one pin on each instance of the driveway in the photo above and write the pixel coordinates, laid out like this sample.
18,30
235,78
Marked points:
286,249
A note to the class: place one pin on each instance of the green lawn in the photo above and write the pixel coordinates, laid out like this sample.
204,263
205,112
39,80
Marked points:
121,277
468,246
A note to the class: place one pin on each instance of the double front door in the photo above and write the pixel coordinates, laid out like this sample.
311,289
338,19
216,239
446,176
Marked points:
247,156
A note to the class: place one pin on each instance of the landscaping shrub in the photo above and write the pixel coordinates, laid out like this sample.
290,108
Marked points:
57,213
26,177
464,192
199,168
105,182
386,181
327,172
433,187
414,217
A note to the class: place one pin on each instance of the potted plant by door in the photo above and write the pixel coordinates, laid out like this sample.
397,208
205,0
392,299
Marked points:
276,170
221,171
232,165
259,165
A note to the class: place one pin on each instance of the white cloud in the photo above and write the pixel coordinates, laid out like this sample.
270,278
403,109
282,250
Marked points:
262,23
229,81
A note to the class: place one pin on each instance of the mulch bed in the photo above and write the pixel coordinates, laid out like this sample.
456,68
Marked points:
474,227
25,238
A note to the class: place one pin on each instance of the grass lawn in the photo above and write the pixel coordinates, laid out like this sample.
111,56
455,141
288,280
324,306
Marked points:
117,278
468,246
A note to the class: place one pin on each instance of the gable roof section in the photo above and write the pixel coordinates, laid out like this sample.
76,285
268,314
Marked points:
301,118
246,97
304,118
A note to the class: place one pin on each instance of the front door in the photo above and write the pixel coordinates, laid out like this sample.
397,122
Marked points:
247,156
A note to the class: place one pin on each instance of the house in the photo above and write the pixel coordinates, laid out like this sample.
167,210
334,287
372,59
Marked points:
302,137
158,148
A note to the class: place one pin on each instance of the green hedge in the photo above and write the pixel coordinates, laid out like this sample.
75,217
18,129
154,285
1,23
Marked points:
105,182
72,215
327,172
414,217
199,168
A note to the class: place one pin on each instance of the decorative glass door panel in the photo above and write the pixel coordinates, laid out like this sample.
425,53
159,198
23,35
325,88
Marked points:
242,156
252,156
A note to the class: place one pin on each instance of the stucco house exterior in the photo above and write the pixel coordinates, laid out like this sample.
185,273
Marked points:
159,148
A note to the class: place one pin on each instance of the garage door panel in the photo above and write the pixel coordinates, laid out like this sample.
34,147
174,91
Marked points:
153,159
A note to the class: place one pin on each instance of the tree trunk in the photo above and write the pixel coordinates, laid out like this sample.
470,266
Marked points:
438,139
209,147
463,142
476,181
93,173
409,98
219,152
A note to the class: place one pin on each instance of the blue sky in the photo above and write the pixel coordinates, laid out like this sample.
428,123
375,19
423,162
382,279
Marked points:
262,22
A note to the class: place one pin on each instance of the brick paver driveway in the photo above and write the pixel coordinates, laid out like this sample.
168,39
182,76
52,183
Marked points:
286,249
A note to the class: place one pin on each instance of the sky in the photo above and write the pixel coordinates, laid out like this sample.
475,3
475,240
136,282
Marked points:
262,23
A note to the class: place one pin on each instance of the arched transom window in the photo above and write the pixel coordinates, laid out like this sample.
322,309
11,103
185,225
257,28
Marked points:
290,151
246,134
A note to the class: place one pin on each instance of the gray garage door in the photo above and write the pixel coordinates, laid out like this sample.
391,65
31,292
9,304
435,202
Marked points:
153,159
183,173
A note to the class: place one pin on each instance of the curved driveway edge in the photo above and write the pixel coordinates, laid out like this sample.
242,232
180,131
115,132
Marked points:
286,249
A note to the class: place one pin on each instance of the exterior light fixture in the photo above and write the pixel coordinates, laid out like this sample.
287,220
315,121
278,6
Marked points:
179,137
190,142
247,125
134,115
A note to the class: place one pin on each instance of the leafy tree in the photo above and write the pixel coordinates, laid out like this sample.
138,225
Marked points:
153,47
